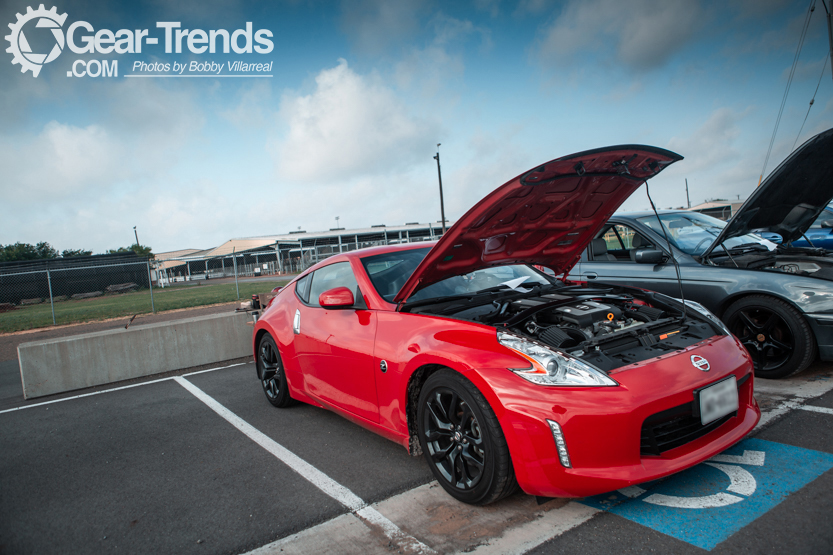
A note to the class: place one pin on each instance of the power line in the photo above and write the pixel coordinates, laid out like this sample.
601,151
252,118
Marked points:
812,101
810,11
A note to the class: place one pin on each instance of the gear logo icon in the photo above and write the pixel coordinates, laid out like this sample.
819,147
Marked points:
19,46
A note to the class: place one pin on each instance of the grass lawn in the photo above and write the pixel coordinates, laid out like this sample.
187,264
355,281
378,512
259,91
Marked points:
128,304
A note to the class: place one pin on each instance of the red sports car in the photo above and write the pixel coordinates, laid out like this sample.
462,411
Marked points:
501,375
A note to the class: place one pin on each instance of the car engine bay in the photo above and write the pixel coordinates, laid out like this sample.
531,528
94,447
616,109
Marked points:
605,327
808,262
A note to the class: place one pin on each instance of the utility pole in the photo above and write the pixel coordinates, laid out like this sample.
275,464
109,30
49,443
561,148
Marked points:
137,235
440,176
688,201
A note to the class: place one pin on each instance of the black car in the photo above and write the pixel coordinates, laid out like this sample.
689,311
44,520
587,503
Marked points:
776,298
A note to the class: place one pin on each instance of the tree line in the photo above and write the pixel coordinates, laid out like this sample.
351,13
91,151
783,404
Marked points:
43,250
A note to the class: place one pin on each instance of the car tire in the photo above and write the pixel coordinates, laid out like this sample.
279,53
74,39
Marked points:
462,440
776,335
271,374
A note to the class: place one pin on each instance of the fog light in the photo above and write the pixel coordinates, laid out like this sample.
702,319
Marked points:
560,444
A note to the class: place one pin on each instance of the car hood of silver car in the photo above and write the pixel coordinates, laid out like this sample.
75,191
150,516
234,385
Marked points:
791,197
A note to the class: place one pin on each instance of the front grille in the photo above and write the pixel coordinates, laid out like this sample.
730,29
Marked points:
672,428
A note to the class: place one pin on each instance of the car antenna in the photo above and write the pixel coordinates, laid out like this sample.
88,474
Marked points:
670,250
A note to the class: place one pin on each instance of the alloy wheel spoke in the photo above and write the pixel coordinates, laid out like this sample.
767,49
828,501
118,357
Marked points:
770,323
465,476
453,459
436,417
464,417
472,439
778,344
749,323
435,435
442,454
469,457
750,344
452,409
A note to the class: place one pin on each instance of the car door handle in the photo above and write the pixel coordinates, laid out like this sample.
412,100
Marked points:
591,275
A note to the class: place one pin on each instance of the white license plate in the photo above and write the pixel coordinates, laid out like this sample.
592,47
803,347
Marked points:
718,400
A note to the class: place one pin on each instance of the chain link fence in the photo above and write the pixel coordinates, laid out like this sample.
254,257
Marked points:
43,292
40,293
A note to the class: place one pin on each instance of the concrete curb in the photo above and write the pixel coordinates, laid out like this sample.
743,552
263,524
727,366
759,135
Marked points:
65,364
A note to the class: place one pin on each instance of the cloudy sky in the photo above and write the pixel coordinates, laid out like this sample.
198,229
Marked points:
361,93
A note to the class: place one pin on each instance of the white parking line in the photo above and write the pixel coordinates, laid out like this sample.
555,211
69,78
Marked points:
823,410
116,389
369,521
311,474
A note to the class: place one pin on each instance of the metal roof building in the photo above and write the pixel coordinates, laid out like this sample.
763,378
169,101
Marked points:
721,209
293,251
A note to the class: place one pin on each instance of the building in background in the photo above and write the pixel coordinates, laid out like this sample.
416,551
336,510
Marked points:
283,254
718,208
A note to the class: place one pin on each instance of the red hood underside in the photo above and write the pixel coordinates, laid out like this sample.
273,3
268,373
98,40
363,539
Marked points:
545,216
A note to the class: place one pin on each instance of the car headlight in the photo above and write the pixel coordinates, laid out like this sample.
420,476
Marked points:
707,313
552,367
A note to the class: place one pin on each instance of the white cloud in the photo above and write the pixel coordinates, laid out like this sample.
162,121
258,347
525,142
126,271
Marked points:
643,34
61,161
439,67
252,110
719,162
74,186
374,26
349,125
713,143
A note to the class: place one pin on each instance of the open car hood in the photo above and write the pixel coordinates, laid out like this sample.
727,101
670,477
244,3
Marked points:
791,197
545,216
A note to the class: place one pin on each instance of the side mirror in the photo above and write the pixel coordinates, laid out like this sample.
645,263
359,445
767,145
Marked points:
339,297
649,256
827,223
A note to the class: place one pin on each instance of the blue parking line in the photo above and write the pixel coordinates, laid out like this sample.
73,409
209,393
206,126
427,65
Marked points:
725,496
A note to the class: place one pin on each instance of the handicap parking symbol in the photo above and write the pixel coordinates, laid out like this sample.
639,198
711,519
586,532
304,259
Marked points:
706,504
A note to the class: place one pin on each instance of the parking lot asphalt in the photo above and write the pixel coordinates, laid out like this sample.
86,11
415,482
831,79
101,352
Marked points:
204,464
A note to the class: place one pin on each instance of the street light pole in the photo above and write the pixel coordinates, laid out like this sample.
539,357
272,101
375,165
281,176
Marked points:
440,176
688,201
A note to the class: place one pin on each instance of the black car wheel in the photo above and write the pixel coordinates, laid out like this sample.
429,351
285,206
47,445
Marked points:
271,374
775,334
462,440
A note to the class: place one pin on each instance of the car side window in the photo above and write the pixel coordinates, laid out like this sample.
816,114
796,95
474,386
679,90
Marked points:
632,242
625,235
618,243
612,240
329,277
302,287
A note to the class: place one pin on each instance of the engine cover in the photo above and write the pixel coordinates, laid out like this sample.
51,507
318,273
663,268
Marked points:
586,313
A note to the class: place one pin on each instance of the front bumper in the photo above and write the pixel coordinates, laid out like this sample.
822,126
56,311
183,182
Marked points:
602,426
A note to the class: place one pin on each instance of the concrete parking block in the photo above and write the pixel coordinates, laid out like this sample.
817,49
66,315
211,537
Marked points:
69,363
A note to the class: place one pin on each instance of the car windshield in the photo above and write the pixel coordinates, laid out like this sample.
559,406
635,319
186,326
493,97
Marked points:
693,233
389,272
